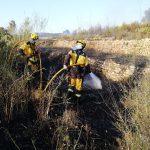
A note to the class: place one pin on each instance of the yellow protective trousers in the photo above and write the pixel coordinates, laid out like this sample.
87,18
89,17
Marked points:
77,83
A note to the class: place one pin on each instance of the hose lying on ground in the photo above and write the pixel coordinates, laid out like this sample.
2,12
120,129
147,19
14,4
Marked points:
50,81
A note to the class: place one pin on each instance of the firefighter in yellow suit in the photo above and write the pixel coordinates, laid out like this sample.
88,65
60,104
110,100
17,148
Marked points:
78,62
27,53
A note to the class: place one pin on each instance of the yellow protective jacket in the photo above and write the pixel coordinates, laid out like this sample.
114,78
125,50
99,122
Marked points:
76,58
79,60
27,51
28,54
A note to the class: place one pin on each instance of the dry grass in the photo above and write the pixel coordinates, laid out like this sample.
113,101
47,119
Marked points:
14,94
117,72
136,123
70,118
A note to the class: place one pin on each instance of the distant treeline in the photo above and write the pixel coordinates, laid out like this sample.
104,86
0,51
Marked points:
130,31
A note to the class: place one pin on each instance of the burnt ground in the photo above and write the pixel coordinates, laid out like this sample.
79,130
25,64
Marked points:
98,111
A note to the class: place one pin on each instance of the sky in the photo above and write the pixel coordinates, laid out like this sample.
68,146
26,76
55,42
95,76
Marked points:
73,14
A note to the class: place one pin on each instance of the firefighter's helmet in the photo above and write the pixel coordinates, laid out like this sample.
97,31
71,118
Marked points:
34,36
83,44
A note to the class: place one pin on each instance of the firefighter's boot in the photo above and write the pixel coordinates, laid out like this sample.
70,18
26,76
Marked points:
77,98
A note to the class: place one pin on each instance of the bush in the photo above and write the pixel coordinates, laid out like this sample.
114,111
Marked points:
125,31
5,42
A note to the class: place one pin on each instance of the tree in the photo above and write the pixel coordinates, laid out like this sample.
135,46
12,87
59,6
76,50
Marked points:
38,23
5,37
66,32
5,41
146,18
12,27
26,27
34,24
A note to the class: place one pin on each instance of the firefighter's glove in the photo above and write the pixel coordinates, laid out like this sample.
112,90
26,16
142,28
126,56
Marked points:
65,67
28,73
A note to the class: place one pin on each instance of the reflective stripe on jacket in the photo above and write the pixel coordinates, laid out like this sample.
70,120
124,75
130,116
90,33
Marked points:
32,60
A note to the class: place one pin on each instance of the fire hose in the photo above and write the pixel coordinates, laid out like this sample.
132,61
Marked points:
55,75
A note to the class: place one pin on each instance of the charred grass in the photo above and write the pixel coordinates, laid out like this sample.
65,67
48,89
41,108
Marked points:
107,119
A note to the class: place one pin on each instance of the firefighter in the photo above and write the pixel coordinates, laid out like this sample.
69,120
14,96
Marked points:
28,55
76,62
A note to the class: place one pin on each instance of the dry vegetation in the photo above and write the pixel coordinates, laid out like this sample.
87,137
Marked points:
136,124
131,31
115,118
